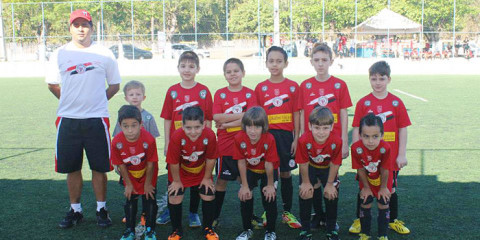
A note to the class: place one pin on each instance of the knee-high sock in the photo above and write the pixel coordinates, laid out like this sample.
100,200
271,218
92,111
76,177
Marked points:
393,206
382,220
150,209
287,193
219,197
359,201
271,209
331,213
318,203
305,210
131,212
246,209
176,216
365,220
194,199
208,212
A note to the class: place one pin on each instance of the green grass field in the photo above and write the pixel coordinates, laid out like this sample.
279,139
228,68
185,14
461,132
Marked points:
438,190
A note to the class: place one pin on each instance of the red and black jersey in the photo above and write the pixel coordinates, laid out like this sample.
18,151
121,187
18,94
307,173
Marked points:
256,154
319,155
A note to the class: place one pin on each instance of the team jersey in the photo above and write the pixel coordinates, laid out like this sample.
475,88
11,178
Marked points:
179,98
316,154
148,122
256,154
82,73
228,102
279,101
332,94
191,156
394,116
135,156
372,160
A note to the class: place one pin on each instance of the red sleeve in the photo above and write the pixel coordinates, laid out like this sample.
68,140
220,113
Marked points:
337,153
301,156
252,101
356,159
152,155
115,158
217,103
403,119
173,150
345,100
208,107
237,152
295,96
300,97
387,162
358,112
271,153
259,95
211,152
167,106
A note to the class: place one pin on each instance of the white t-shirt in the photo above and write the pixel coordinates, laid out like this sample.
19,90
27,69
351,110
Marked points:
82,72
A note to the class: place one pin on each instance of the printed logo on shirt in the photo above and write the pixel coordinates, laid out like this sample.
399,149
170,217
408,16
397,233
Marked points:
243,145
308,85
309,146
193,157
237,108
205,141
382,150
187,98
385,116
379,108
323,100
223,95
359,150
276,101
265,146
80,68
276,92
372,167
367,103
227,172
248,95
174,94
395,103
291,163
119,145
203,94
145,145
334,146
264,88
148,117
134,160
253,151
320,158
132,150
255,160
292,89
337,85
183,142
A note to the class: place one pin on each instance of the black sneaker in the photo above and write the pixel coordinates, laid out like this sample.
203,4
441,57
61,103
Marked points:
318,222
103,220
333,235
71,219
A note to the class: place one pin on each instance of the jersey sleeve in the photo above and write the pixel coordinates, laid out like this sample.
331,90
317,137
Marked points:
403,119
112,71
173,150
271,154
345,100
301,156
300,97
252,101
151,127
387,160
211,152
115,157
152,153
237,151
259,96
356,158
52,75
167,106
116,130
208,107
217,103
295,97
337,153
358,112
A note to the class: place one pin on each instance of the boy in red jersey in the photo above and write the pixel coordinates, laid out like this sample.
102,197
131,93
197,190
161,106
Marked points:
319,155
134,151
255,150
229,105
324,90
191,156
180,96
278,97
371,158
395,120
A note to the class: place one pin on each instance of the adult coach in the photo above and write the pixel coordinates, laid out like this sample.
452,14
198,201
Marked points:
76,75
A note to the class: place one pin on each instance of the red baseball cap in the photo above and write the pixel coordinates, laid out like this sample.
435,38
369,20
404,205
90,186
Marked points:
80,13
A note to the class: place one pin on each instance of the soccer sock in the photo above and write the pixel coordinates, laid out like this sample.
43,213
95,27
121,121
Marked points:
101,205
246,209
219,197
176,216
208,212
271,209
359,201
151,209
144,204
194,199
331,213
131,212
77,207
382,220
318,203
287,193
305,211
365,220
393,206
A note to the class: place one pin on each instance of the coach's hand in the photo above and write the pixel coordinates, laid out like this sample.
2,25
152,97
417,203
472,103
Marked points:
269,193
208,184
244,193
174,188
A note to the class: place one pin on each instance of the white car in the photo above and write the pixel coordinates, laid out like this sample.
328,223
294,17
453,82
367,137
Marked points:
178,49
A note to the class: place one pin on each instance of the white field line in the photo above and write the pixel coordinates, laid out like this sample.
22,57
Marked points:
411,95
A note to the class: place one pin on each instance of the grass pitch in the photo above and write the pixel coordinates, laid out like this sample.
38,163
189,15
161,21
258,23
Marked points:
438,190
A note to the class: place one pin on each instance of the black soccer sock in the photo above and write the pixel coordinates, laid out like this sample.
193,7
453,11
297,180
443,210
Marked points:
287,193
151,209
208,212
393,206
219,197
359,201
331,213
305,211
365,220
382,220
246,209
144,204
194,199
131,212
176,216
271,209
318,203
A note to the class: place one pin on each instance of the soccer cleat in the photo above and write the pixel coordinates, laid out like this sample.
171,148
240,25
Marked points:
142,219
264,219
245,235
356,227
399,227
291,220
333,235
175,236
103,220
383,238
71,219
149,234
270,236
363,236
318,222
164,218
305,236
210,234
129,234
257,222
194,220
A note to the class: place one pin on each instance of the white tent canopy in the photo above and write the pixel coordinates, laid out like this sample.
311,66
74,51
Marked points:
387,21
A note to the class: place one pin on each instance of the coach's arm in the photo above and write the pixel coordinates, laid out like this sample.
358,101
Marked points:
55,89
112,90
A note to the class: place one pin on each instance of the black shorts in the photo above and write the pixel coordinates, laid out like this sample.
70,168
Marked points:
252,179
227,168
284,140
320,174
76,135
201,190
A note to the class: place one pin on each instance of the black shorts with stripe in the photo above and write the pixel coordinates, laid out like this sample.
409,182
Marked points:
320,174
76,135
227,168
253,177
201,190
284,140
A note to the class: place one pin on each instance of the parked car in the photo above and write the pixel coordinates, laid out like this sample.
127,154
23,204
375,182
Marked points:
179,48
128,53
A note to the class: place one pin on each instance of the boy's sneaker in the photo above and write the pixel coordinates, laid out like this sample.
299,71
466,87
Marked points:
164,217
383,238
245,235
103,220
149,234
318,222
129,234
264,219
194,220
257,222
356,227
305,236
363,236
333,235
270,236
291,220
399,227
175,236
210,234
71,219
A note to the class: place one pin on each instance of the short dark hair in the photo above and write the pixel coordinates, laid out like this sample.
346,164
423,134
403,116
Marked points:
322,47
370,120
129,111
255,116
380,67
236,61
194,113
277,49
321,116
189,56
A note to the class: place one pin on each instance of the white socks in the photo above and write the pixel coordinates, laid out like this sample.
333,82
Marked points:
101,205
77,207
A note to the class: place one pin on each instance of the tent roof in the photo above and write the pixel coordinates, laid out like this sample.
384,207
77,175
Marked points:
388,21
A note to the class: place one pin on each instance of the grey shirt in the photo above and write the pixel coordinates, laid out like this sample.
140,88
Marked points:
148,123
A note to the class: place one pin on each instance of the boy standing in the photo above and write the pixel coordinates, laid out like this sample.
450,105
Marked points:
134,151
